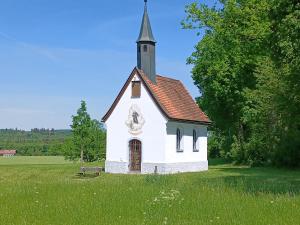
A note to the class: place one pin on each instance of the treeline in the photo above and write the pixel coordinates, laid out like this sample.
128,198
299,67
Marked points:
247,68
36,142
86,140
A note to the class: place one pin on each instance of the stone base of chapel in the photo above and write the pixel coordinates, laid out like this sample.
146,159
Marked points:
160,168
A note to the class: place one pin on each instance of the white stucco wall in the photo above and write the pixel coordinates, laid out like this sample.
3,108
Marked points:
158,139
188,155
153,134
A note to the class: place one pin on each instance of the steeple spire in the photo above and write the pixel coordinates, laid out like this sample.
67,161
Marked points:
146,31
146,48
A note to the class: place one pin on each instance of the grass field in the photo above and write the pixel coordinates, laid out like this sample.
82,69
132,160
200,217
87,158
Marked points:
33,160
46,190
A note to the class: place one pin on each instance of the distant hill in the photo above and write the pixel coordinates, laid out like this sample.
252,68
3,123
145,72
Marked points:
34,142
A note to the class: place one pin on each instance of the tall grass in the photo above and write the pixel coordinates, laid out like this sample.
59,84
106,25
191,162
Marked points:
37,194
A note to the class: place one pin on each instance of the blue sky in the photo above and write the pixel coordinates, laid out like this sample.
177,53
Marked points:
55,53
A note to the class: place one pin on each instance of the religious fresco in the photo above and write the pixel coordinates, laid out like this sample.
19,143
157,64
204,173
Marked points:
135,121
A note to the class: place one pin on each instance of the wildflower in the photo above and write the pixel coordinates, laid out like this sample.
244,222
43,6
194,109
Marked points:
165,220
36,192
94,193
272,202
37,201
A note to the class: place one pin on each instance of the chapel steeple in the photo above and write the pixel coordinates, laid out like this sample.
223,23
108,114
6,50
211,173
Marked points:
146,48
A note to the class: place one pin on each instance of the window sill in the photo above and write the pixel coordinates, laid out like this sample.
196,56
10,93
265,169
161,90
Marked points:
196,150
179,150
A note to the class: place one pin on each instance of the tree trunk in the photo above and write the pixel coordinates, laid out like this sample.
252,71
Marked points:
241,140
81,155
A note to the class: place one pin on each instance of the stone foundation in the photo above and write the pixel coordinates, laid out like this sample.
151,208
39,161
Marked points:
168,168
116,167
162,168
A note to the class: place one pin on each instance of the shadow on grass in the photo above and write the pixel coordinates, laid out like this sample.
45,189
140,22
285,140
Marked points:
223,177
85,176
217,161
257,180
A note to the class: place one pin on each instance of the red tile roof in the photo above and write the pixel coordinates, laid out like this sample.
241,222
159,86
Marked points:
171,97
10,152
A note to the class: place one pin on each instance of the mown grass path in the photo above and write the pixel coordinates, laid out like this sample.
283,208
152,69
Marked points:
42,194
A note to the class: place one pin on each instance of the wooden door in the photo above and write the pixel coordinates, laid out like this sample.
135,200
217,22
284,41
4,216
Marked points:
135,147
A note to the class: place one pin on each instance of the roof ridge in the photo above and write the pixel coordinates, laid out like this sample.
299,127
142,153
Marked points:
169,78
182,109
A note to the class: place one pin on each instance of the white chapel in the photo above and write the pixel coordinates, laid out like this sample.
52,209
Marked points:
154,125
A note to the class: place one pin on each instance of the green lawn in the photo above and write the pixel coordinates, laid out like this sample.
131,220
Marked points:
46,190
33,160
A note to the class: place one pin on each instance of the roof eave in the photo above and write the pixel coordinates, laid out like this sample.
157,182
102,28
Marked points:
119,96
207,123
146,40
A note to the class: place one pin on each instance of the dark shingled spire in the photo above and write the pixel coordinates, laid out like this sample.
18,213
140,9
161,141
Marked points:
146,31
146,48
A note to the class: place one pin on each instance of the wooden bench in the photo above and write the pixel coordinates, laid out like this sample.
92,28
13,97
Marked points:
96,170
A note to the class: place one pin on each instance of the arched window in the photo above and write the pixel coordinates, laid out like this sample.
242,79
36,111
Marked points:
178,140
195,141
145,48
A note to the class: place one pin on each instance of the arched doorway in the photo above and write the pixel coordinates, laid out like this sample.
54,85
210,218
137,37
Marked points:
135,155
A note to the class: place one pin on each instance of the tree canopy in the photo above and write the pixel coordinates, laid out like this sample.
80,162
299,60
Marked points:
247,68
88,137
